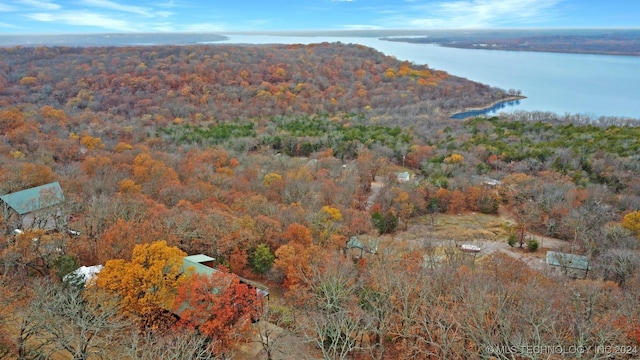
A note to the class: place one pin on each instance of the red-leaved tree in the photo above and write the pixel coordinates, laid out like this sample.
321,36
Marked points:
219,306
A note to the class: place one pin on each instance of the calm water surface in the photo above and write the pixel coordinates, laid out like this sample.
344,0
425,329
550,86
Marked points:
599,85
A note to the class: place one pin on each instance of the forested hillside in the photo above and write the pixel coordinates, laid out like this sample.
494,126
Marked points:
204,83
282,164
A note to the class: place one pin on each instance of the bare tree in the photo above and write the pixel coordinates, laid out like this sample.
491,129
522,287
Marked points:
332,319
618,265
18,309
71,323
182,345
376,300
268,332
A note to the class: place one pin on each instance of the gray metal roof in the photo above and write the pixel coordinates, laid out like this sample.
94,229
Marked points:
569,261
39,197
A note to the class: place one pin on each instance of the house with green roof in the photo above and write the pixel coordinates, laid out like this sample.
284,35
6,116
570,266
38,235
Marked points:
204,265
39,207
576,266
369,246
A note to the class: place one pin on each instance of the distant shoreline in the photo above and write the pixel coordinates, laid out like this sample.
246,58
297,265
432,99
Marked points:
551,51
489,106
583,42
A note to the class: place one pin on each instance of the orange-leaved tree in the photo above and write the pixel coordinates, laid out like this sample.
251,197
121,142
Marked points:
219,306
294,258
145,286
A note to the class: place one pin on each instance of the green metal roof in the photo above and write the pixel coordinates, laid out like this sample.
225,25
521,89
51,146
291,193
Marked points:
39,197
569,261
193,261
200,258
198,268
354,243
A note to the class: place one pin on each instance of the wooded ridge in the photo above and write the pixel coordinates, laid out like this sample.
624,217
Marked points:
329,172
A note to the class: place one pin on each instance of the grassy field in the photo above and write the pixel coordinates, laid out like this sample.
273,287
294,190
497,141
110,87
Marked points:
457,229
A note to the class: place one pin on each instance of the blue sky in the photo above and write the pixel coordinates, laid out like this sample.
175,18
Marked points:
99,16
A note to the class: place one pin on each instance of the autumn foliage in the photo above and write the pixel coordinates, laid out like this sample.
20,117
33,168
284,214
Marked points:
631,221
218,306
270,158
146,285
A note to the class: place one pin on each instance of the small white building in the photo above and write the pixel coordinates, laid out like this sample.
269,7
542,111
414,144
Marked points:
83,273
403,177
470,248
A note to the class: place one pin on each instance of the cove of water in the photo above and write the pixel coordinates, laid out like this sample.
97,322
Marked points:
497,108
596,85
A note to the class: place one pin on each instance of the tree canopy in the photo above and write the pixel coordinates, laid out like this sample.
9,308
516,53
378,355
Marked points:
148,283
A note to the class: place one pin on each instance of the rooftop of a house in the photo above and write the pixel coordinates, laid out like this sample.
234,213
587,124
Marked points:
36,198
565,260
354,243
404,176
470,248
196,262
200,258
83,274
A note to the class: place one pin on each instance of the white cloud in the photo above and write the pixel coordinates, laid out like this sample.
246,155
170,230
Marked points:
8,26
479,13
85,18
164,14
168,4
7,8
43,5
112,5
104,14
161,27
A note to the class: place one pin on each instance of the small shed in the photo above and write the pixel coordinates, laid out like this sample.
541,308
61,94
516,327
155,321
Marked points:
486,181
403,177
354,243
39,207
369,246
572,265
470,248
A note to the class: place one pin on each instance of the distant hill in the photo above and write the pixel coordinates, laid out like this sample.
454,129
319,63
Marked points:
607,42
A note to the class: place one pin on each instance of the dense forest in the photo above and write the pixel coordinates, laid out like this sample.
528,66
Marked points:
283,164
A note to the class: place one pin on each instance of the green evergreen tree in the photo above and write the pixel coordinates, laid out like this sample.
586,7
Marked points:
262,259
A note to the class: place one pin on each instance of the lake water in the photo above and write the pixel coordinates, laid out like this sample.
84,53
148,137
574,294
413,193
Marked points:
598,85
